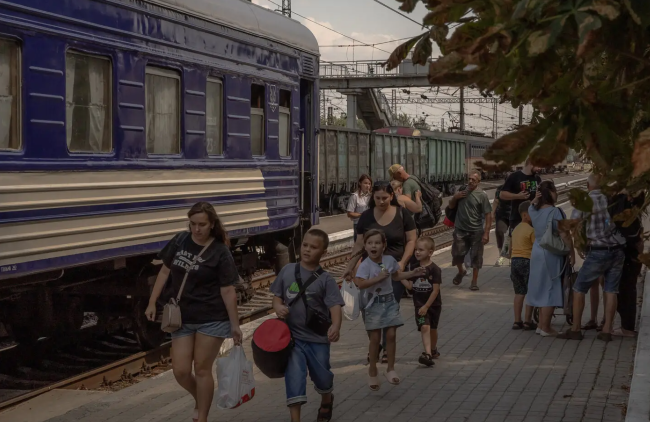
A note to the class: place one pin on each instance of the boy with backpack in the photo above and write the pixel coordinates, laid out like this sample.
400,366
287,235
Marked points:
304,296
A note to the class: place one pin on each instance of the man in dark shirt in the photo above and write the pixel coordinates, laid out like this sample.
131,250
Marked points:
633,234
520,186
501,217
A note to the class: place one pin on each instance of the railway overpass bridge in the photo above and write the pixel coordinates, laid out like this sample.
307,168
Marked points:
362,80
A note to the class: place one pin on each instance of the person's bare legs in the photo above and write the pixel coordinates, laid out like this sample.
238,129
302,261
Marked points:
595,301
519,306
294,411
529,313
578,308
206,349
611,302
474,277
545,317
182,355
391,347
434,339
375,338
425,332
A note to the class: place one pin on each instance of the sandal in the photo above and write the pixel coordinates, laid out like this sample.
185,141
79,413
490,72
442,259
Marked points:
325,411
459,278
384,358
618,332
606,337
517,325
590,325
474,288
391,377
373,383
435,354
530,326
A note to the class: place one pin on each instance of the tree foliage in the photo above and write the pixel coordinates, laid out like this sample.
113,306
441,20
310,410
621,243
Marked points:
583,65
404,119
341,121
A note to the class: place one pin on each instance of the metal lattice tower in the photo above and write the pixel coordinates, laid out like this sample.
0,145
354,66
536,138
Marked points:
286,8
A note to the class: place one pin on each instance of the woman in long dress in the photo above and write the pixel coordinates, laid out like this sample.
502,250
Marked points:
546,269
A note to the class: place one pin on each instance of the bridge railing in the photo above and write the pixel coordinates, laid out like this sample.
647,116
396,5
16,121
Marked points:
369,69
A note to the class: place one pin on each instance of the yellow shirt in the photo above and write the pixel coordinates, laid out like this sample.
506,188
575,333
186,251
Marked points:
523,237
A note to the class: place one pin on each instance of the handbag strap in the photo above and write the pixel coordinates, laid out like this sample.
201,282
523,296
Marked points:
187,272
303,287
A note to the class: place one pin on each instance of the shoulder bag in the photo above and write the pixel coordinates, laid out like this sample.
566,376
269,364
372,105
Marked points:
171,316
552,241
316,321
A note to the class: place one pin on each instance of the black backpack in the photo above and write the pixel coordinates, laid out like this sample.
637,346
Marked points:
619,203
431,206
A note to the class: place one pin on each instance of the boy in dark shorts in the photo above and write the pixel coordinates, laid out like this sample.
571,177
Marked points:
523,238
427,301
311,351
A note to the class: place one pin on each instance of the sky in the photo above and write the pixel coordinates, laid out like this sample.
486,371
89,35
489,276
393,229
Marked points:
372,23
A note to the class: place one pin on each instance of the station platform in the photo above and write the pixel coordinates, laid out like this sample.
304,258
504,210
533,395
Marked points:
341,222
486,372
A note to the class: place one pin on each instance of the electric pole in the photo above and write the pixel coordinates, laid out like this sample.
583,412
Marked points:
462,109
286,8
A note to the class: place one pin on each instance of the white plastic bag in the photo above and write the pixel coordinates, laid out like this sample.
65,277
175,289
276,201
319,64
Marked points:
236,384
350,293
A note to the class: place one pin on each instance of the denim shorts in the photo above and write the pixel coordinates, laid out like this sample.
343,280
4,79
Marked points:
219,329
383,314
607,263
305,356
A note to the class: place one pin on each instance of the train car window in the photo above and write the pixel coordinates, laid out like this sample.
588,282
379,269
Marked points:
257,119
214,117
88,103
285,123
163,92
9,95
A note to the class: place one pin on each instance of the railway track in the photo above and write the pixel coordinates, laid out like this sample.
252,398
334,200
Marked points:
116,358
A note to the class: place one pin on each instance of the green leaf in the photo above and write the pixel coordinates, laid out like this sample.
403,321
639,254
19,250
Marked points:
639,10
587,23
641,154
540,41
609,9
408,5
439,33
422,51
402,51
581,200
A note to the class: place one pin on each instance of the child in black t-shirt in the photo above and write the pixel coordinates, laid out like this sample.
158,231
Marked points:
427,301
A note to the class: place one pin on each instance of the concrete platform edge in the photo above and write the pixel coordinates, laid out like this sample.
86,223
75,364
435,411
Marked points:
638,406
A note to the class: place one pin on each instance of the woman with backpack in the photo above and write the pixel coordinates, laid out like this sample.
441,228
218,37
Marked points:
203,274
397,224
546,268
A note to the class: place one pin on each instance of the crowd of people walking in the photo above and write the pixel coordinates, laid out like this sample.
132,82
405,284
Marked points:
387,259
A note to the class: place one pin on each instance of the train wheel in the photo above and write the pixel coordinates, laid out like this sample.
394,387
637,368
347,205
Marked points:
70,311
148,334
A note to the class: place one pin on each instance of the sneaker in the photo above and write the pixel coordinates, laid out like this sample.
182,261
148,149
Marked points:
426,359
500,262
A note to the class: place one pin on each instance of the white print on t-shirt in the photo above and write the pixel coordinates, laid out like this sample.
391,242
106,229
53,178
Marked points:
422,285
184,259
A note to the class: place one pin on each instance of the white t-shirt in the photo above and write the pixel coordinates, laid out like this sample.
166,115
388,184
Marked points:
369,269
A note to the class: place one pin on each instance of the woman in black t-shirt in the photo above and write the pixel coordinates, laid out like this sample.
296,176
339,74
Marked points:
385,214
208,302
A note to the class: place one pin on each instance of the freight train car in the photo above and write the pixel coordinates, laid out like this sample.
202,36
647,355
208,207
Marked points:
474,144
345,154
117,116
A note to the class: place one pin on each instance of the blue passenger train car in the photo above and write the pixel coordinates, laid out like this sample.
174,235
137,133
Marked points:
115,117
